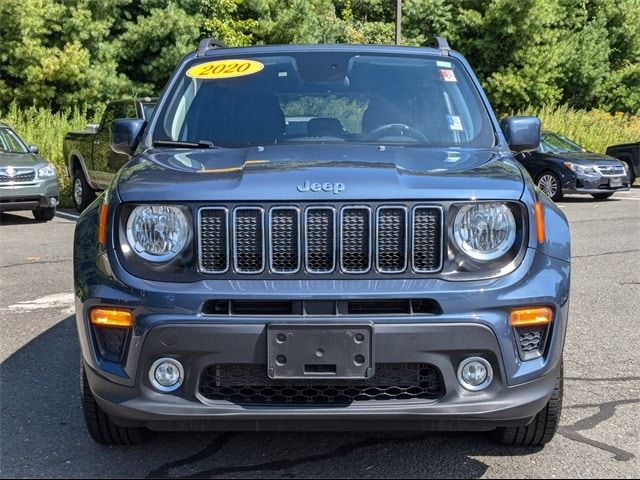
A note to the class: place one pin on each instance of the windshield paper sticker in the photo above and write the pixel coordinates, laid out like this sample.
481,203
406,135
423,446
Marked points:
455,123
448,75
225,69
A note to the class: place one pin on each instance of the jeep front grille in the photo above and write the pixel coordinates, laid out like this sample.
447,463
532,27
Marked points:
321,240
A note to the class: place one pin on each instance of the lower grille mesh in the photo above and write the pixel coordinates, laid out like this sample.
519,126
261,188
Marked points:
249,384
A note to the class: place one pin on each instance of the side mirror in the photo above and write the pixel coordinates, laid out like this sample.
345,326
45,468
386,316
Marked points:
522,133
125,135
34,149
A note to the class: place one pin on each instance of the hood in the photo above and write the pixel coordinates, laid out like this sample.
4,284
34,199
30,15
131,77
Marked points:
21,160
342,172
588,158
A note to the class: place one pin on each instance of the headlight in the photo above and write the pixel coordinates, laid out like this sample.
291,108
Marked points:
484,231
580,168
157,233
47,172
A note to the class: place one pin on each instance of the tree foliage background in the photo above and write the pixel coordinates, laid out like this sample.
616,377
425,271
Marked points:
528,53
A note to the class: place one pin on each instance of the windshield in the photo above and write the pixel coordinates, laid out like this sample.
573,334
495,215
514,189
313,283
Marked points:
552,143
325,97
10,142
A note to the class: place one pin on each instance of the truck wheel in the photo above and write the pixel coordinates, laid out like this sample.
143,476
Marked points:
43,214
83,194
549,183
100,426
544,425
601,196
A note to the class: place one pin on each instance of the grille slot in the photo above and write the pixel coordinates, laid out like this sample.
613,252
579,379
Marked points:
284,231
214,244
248,384
320,239
248,240
427,239
355,240
391,255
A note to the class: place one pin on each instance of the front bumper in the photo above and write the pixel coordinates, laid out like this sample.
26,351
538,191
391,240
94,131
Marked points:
594,183
474,322
38,194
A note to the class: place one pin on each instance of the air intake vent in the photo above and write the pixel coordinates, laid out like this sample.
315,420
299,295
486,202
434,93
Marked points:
427,239
392,239
248,240
284,231
355,240
321,239
214,244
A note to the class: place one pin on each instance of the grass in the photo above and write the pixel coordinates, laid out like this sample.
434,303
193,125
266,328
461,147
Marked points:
594,130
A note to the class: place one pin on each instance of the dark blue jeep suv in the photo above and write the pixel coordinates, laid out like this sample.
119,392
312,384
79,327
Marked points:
325,238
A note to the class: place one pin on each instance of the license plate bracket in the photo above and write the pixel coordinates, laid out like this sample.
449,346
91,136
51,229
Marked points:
320,351
615,182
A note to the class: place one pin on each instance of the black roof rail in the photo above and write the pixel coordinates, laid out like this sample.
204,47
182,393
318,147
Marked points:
440,43
207,44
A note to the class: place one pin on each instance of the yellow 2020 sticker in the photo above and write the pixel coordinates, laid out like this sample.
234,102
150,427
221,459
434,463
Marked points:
225,69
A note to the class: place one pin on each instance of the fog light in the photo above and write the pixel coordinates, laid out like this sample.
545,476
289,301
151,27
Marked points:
53,201
166,374
475,374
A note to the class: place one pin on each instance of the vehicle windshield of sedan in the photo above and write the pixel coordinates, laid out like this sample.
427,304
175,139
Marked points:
10,142
553,143
324,97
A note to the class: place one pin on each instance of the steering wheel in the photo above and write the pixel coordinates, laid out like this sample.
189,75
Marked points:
396,129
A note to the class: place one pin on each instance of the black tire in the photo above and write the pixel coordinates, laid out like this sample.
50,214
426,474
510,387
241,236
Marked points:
44,214
601,196
548,176
81,191
100,426
544,425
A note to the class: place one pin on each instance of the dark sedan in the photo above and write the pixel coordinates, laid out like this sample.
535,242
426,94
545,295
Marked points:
560,166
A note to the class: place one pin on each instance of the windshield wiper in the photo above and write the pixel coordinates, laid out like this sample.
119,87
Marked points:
176,143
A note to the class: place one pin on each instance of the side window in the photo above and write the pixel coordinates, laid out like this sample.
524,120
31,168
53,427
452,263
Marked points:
110,114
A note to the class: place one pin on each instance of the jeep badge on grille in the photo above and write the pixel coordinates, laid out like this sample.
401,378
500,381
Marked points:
307,186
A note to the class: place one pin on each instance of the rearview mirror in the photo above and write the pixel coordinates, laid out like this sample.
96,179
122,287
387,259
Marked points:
522,133
34,149
125,135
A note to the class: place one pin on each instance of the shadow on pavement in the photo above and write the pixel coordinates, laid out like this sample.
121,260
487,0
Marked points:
42,434
7,218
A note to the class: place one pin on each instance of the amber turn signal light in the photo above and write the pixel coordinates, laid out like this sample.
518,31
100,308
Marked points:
102,224
540,231
530,317
111,317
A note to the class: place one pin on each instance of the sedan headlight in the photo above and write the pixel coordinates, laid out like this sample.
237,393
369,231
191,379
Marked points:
580,168
47,172
157,233
484,231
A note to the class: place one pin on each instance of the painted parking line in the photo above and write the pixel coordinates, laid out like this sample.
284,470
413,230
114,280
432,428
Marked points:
67,215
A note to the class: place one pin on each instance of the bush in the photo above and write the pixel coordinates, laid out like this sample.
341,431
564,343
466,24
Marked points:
595,130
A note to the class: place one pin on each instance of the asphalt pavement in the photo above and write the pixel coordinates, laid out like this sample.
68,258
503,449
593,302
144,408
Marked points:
42,432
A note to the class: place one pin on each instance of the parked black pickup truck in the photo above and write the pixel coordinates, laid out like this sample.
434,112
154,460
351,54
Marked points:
90,161
630,154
